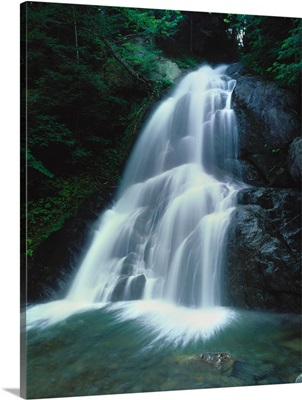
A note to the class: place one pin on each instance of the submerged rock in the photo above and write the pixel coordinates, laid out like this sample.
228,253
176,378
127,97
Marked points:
216,362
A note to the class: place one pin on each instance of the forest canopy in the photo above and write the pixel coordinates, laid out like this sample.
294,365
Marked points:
270,46
87,82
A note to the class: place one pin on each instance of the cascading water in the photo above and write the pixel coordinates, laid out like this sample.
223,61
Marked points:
164,236
163,240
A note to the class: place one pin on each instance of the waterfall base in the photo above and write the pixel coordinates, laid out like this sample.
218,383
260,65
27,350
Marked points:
169,323
126,348
176,325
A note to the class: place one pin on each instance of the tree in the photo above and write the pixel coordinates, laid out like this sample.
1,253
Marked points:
270,46
288,66
85,77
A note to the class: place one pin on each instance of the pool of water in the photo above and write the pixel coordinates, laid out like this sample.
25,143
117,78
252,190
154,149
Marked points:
142,347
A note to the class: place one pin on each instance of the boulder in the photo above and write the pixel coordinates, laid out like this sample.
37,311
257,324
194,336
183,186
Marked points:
165,69
118,292
129,288
137,287
268,122
162,67
129,264
264,251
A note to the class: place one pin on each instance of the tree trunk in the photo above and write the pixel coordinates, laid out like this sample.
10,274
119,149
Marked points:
126,66
76,37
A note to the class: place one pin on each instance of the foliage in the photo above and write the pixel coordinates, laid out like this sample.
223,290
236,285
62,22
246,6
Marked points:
152,23
186,62
85,87
288,66
33,163
270,46
48,213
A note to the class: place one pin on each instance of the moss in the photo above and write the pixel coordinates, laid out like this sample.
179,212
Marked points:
48,213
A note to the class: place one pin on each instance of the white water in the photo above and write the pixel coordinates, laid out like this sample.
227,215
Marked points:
163,241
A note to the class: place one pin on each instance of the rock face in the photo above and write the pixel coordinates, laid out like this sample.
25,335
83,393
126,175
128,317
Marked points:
264,251
295,159
263,268
269,125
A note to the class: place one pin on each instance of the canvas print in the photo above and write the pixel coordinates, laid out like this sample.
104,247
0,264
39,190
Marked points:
161,200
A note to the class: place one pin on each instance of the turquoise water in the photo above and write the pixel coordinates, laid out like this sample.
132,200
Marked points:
98,352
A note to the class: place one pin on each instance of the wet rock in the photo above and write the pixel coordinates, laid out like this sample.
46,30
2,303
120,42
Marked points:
128,264
137,287
118,292
274,108
264,251
268,122
295,159
250,174
129,288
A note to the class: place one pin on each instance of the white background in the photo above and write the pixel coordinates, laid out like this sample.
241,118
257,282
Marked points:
9,185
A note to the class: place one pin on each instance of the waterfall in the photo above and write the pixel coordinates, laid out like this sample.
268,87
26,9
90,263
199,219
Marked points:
164,237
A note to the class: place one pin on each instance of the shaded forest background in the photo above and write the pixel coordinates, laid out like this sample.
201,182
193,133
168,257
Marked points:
89,76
